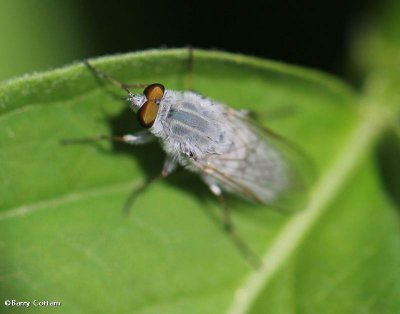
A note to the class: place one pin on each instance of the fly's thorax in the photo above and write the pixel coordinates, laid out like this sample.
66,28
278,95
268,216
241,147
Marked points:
189,125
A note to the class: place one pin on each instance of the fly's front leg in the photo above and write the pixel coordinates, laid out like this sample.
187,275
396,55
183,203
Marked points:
139,138
168,168
113,80
247,252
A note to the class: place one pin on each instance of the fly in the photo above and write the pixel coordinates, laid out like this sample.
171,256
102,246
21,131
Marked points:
228,150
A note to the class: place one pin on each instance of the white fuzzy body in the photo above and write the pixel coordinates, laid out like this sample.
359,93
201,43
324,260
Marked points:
220,144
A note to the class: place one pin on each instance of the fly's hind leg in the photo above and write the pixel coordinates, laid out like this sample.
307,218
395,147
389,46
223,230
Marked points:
168,168
189,78
247,252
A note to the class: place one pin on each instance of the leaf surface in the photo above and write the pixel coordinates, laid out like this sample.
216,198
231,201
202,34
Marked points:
63,236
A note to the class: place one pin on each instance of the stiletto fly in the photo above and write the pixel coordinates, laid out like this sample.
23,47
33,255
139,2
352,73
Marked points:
230,151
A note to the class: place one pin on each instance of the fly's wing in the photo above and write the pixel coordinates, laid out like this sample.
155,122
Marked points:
258,164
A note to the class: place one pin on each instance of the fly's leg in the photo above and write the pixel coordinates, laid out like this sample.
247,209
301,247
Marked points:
244,113
139,138
190,69
168,168
247,252
112,80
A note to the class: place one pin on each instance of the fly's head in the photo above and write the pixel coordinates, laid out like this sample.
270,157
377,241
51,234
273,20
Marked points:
147,104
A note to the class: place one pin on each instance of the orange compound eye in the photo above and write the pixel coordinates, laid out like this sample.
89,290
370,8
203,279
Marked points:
147,114
154,91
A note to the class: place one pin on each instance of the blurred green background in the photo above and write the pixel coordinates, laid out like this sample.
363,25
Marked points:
38,35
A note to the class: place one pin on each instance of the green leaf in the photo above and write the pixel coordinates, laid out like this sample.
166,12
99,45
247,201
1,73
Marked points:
64,238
